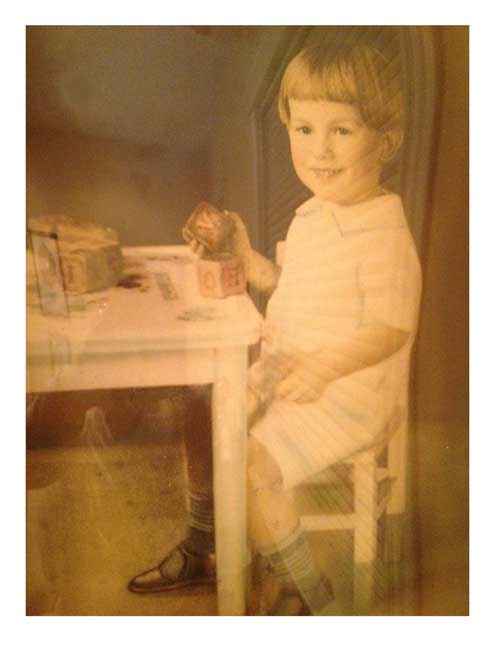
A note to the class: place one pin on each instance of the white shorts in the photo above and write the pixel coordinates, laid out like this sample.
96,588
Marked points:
306,438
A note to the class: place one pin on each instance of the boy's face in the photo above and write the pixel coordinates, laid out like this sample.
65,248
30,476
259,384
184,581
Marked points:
333,151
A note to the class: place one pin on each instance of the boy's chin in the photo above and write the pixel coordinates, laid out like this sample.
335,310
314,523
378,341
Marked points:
329,197
325,192
343,198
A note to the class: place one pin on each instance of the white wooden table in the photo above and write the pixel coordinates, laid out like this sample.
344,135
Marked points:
131,338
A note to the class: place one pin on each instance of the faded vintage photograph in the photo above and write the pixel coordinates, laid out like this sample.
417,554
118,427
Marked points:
256,403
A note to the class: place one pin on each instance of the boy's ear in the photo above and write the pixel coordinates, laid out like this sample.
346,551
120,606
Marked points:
391,143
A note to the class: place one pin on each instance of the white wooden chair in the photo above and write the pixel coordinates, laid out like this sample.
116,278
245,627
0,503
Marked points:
377,490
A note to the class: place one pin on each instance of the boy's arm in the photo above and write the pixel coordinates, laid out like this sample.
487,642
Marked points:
260,273
312,372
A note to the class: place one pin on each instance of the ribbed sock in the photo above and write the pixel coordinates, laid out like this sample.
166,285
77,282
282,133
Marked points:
200,534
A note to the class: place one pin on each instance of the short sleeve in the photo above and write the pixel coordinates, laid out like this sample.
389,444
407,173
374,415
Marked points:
389,281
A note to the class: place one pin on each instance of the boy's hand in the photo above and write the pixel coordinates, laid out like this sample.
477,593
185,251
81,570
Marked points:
237,243
306,381
198,248
201,224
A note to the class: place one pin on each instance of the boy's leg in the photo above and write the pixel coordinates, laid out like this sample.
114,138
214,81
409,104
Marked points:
275,531
198,447
190,561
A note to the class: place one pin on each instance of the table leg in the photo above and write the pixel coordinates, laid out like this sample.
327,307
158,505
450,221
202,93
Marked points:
229,451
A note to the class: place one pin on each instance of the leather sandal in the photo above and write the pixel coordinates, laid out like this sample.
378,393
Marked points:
179,569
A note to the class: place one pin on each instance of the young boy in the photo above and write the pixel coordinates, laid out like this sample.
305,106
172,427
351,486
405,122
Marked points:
332,377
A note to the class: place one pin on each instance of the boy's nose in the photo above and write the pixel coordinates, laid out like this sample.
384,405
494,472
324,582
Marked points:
323,147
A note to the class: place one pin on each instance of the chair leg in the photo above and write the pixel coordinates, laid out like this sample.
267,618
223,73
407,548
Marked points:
397,504
393,537
365,531
397,469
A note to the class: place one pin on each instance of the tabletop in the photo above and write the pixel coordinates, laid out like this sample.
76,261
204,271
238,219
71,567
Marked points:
157,306
152,329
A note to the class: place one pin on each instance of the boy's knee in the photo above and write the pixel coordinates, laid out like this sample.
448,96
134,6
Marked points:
263,472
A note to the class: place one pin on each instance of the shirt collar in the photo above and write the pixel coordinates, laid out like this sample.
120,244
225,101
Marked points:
377,213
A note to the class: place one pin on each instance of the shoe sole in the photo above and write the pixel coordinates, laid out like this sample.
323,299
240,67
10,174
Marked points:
165,588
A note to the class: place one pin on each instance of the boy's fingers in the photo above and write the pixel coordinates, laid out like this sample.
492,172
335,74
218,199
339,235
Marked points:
287,387
200,250
282,388
207,220
295,395
302,395
307,396
197,248
188,237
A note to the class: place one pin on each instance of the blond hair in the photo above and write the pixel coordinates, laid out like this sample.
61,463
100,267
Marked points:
358,75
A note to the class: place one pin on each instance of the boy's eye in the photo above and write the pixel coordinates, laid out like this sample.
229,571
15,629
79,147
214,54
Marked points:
303,129
341,130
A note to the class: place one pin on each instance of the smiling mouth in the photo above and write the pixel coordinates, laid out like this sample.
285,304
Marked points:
326,173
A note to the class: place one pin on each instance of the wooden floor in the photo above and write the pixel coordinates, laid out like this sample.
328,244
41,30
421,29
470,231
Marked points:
103,506
109,514
101,513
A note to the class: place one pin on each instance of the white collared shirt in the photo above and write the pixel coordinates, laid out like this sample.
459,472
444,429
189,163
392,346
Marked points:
345,268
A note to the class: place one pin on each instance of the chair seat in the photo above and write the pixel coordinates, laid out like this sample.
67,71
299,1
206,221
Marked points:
330,496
